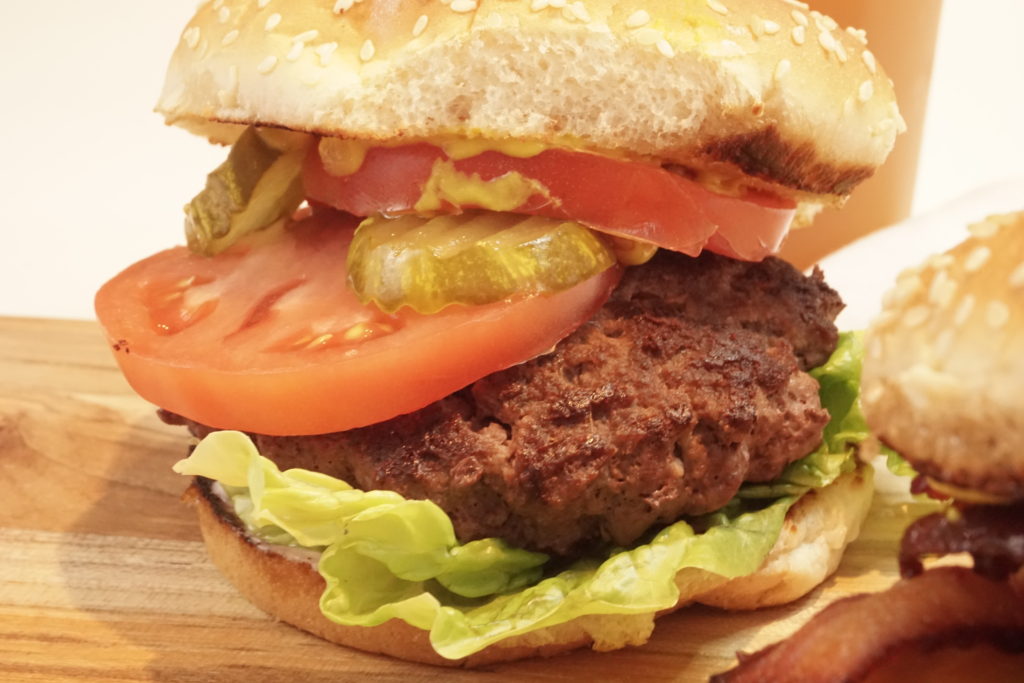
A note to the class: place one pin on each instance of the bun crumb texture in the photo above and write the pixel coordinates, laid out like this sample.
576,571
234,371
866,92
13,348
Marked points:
944,365
768,90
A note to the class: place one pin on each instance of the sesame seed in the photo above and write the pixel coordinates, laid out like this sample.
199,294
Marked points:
940,261
799,34
295,51
217,4
343,6
307,36
463,6
944,342
420,26
262,3
977,258
267,65
907,285
826,40
223,14
557,4
648,36
915,317
229,37
718,7
664,48
782,69
729,48
866,91
770,27
578,10
272,21
325,51
1017,277
869,60
799,17
997,314
964,311
983,229
841,52
637,19
858,33
943,290
538,5
797,3
191,36
367,51
825,21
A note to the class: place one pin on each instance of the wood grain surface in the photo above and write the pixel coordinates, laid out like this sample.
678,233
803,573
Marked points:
103,575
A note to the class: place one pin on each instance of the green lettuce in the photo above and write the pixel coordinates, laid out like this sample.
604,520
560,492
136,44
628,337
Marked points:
384,557
839,390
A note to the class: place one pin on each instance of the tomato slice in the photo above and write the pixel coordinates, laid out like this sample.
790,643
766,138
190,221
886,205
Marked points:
633,199
267,337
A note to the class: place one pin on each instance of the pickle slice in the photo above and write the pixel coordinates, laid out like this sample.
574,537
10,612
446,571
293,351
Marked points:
259,183
473,258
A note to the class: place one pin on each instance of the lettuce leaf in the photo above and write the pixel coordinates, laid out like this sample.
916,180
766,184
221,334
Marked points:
385,557
839,382
410,541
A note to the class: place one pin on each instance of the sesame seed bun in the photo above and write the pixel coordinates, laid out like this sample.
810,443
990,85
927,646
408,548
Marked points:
766,92
815,534
944,370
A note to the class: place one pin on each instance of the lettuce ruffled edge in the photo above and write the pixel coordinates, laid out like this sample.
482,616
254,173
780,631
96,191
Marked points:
385,557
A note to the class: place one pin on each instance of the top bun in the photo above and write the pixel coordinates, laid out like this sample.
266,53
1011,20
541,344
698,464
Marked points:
944,368
766,90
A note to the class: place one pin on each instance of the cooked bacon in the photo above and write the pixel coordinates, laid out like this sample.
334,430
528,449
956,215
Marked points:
992,534
850,638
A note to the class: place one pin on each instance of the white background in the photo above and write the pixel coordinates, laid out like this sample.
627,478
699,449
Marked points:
91,179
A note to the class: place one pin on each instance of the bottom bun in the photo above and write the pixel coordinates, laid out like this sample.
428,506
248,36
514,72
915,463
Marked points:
817,530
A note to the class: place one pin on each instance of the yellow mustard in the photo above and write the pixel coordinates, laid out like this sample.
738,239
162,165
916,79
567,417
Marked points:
504,193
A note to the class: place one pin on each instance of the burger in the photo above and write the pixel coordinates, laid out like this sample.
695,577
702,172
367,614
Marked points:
941,385
478,329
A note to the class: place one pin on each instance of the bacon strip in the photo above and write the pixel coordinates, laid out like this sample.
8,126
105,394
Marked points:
992,534
846,640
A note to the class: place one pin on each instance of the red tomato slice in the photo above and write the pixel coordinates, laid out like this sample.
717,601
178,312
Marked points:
267,337
633,199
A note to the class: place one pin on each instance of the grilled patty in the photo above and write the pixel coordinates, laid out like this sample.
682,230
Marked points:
688,382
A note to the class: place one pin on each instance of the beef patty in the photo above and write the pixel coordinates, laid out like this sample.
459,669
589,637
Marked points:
687,383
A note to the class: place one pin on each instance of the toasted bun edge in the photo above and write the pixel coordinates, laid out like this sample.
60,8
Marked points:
816,532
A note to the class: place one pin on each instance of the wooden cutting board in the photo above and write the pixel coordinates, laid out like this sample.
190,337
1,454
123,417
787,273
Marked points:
103,575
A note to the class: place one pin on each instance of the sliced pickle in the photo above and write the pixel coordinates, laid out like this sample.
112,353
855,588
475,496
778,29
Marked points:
473,258
259,183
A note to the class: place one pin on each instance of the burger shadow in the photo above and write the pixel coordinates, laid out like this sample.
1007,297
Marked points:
159,609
